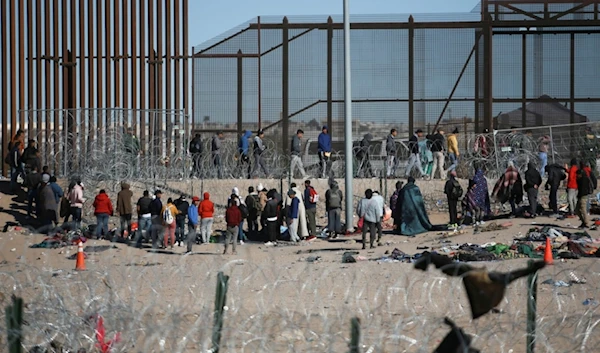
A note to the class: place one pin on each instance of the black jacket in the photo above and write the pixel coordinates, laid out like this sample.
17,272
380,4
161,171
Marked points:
532,177
413,144
437,142
182,207
584,184
270,209
449,187
156,207
556,174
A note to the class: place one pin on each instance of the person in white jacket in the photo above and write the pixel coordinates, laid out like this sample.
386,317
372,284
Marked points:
302,224
381,204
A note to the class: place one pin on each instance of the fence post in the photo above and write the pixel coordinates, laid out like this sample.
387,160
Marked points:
14,323
531,308
354,335
552,145
220,298
496,150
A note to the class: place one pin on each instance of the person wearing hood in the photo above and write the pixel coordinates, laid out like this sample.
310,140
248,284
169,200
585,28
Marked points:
324,150
253,214
193,215
206,211
470,205
48,206
364,159
297,155
271,216
259,149
103,209
452,189
243,151
333,206
182,206
302,227
572,187
414,215
124,207
556,174
533,180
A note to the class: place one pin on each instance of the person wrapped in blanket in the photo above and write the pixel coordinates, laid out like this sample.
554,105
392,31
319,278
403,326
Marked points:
470,207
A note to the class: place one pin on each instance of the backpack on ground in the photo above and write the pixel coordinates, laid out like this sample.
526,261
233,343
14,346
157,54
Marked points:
457,190
244,211
313,196
168,216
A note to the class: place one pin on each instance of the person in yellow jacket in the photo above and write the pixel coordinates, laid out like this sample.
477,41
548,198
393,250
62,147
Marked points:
453,152
169,211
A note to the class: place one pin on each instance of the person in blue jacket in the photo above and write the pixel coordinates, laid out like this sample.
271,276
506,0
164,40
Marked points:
324,150
192,223
243,147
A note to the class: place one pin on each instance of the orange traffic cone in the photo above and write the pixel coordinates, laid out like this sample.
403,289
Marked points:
548,252
80,262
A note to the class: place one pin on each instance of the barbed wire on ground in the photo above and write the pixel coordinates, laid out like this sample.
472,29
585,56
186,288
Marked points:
287,304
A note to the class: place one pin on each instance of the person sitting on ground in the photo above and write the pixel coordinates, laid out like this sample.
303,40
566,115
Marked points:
414,215
103,209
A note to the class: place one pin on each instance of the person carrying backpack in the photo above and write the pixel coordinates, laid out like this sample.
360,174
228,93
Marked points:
252,203
453,192
169,212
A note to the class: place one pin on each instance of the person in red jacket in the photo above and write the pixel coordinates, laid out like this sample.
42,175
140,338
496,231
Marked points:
103,209
233,217
206,211
572,187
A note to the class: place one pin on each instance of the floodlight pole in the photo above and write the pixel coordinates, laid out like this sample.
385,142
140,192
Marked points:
348,120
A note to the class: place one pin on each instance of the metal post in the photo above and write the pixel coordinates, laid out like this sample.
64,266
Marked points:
57,74
477,80
285,85
21,43
330,75
488,72
552,145
240,92
99,84
411,75
531,309
12,68
259,67
45,146
4,84
348,119
524,81
142,83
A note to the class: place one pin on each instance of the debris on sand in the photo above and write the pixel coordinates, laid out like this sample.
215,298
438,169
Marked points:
144,264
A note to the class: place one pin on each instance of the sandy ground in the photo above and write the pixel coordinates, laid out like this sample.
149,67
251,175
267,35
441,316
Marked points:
277,300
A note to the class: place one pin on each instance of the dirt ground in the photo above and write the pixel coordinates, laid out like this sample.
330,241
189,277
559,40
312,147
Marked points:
279,299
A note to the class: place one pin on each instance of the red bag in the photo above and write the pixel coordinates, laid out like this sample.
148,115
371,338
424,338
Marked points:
361,223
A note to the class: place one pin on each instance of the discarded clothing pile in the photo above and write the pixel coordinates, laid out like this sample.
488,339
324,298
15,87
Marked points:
492,227
61,240
566,245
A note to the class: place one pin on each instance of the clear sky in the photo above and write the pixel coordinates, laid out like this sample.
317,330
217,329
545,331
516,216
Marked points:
208,19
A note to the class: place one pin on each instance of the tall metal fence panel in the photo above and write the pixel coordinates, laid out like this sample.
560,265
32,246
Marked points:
507,64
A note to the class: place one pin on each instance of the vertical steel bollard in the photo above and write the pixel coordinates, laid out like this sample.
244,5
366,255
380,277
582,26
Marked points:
220,299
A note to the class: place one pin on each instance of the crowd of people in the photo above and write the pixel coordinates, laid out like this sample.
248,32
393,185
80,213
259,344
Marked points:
270,216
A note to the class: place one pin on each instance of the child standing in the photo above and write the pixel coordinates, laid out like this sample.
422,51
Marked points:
233,217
